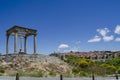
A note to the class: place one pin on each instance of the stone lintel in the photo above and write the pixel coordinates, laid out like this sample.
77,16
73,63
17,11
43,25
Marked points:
21,30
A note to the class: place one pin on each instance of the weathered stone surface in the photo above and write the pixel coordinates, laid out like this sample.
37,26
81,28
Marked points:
29,63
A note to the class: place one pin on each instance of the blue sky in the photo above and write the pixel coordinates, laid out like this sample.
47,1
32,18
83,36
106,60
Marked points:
63,25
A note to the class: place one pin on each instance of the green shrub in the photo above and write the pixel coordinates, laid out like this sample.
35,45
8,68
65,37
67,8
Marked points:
75,71
119,71
36,74
2,70
52,73
1,74
13,74
114,61
31,74
83,74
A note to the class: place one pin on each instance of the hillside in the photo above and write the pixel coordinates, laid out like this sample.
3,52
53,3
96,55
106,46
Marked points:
51,66
48,66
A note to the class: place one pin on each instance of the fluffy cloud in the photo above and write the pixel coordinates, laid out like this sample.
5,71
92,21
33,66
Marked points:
63,46
117,39
108,38
104,31
67,48
95,39
104,35
117,29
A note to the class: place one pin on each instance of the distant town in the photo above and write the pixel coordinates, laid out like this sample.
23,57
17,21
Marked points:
93,55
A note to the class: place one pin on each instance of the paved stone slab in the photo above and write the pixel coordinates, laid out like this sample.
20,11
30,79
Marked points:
51,78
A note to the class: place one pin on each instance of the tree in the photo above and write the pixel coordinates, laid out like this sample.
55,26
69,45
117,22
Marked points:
114,61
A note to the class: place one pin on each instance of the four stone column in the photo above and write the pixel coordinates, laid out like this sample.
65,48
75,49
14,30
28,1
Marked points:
16,43
25,44
7,44
35,44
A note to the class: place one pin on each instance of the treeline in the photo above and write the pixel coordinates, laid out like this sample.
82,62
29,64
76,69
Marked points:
86,67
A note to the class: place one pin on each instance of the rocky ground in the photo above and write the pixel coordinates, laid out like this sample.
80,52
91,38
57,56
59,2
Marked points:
46,67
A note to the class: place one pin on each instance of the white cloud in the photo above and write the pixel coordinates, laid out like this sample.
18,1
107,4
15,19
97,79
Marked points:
67,48
117,29
117,39
104,31
108,38
63,46
95,39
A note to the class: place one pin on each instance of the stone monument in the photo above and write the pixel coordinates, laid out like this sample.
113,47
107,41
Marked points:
18,31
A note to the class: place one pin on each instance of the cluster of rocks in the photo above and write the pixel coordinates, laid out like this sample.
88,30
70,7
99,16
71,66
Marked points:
26,63
30,57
